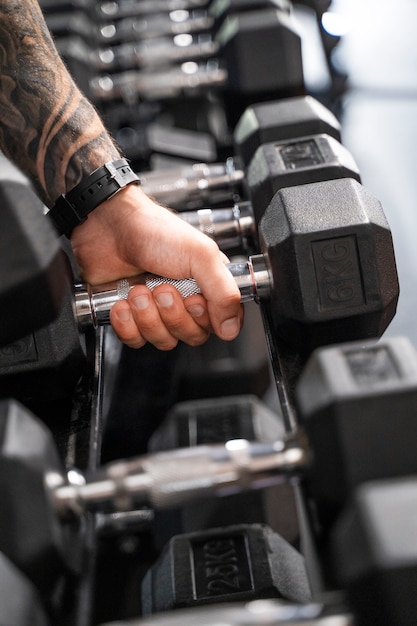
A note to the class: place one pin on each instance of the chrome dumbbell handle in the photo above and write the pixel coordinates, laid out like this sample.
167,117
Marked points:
195,185
93,303
116,10
230,228
159,24
155,52
168,479
162,84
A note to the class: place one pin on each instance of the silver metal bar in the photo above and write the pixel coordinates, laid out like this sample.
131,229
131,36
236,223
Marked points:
129,8
230,228
93,303
159,24
167,479
158,84
154,52
195,185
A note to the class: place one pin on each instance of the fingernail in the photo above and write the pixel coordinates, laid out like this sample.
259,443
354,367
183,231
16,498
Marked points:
141,302
164,300
123,315
196,310
230,328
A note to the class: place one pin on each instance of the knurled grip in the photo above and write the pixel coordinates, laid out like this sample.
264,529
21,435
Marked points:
186,287
93,303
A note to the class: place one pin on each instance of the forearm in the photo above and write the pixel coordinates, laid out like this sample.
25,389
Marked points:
47,127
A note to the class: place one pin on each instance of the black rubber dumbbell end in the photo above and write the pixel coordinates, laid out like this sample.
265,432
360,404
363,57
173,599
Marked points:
332,264
32,266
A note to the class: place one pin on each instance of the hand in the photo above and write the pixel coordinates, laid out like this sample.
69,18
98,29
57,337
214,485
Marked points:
129,234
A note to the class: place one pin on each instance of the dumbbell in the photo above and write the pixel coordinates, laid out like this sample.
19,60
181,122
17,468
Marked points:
275,166
124,8
374,552
251,43
36,541
117,10
45,365
31,535
112,9
79,20
356,404
31,264
160,49
234,230
355,407
228,564
295,162
299,116
43,546
55,353
153,48
262,123
217,420
279,121
157,24
328,278
39,540
154,52
367,386
194,186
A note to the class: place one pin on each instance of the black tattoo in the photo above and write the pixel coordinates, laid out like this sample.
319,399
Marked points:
47,126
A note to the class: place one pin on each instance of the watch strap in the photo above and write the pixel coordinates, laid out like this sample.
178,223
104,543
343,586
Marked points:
72,208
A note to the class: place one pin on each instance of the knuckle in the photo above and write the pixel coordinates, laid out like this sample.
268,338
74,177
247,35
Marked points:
197,340
175,325
168,344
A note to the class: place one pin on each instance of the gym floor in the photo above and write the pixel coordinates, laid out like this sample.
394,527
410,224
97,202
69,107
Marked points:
379,123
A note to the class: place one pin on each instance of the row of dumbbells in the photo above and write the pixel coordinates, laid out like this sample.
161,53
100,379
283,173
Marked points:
160,47
329,278
320,248
211,566
193,71
187,69
286,213
353,455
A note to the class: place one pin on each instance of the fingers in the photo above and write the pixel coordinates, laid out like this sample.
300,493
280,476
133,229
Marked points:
161,317
222,294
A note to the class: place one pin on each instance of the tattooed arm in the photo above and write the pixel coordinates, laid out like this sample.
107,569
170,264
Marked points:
54,135
46,125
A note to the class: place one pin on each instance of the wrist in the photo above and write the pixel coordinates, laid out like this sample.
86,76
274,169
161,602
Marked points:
72,208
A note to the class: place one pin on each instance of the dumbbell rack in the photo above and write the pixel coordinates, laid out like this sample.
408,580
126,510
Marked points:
83,445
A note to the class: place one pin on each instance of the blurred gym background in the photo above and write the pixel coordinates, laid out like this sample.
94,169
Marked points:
378,53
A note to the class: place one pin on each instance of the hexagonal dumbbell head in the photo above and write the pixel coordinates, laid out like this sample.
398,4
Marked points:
375,552
32,269
282,119
228,564
300,161
356,401
331,259
31,535
254,42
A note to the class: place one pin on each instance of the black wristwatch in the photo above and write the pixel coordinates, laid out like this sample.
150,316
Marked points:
72,208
